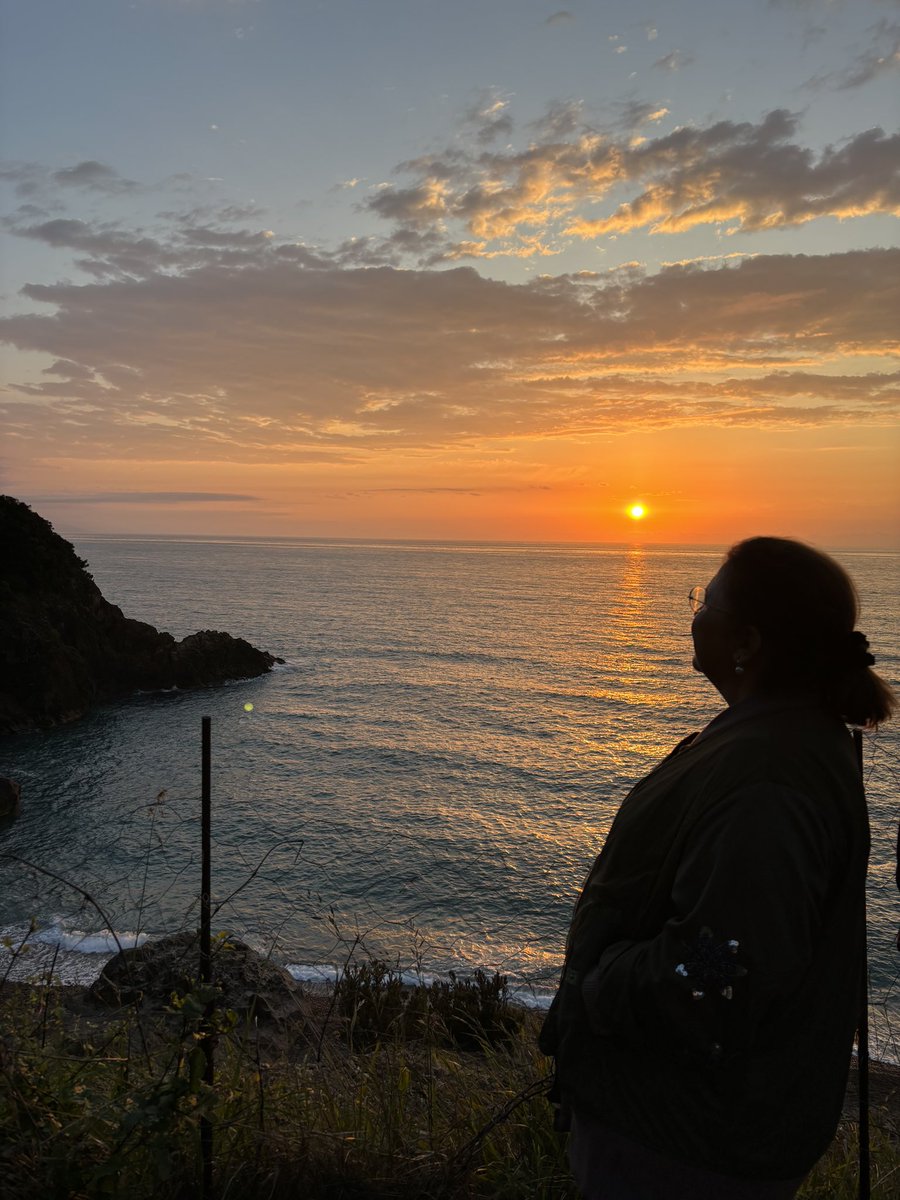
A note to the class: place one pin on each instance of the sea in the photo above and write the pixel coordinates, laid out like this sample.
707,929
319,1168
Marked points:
425,780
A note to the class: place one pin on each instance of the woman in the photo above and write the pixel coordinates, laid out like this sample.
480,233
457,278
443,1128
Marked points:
703,1025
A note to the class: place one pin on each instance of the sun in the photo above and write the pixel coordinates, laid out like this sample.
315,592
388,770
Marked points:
637,512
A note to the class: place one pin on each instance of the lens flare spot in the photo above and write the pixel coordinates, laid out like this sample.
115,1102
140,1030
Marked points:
637,512
248,707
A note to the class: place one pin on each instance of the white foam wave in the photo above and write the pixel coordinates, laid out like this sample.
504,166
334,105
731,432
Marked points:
323,973
59,955
104,941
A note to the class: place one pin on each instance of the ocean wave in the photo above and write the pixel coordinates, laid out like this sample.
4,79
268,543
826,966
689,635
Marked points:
74,957
55,936
104,941
55,954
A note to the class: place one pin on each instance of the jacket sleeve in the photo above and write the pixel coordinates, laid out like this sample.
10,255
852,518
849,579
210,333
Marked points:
747,906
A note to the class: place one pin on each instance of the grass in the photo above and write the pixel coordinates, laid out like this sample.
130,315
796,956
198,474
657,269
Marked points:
379,1092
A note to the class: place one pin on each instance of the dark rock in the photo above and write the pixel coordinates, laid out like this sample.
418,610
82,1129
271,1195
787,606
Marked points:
198,658
10,799
149,976
64,648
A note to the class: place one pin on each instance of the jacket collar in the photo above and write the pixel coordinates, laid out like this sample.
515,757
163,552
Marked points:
752,708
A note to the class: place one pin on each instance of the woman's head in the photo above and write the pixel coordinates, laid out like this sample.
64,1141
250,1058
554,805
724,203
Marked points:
786,614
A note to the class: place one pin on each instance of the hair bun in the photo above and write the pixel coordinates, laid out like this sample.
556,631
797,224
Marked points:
854,653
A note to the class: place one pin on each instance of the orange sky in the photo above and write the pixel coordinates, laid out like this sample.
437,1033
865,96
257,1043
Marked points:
697,485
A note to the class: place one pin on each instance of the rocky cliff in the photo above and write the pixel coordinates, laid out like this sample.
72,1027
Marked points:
64,648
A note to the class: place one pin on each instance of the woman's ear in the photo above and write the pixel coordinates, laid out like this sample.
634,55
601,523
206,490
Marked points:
747,644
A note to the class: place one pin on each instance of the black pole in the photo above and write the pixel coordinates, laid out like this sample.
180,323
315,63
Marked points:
206,1041
862,1034
205,851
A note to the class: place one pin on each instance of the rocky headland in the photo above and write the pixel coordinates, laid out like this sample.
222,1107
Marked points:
64,648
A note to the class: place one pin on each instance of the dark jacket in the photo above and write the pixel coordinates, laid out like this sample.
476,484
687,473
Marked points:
712,980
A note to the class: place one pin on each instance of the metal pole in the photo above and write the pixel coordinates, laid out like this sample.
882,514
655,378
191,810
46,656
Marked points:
206,1041
205,851
862,1035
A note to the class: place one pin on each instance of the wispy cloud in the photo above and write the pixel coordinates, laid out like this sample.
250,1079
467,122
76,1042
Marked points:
36,183
675,60
489,117
881,58
105,249
32,179
94,176
145,498
489,489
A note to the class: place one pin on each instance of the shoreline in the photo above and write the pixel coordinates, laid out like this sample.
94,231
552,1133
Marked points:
47,964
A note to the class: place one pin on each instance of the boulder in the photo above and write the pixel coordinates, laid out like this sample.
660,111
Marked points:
10,799
151,974
64,647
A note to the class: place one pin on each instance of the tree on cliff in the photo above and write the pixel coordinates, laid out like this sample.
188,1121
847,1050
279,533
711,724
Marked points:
63,647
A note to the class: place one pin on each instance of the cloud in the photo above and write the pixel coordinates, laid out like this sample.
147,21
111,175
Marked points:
636,113
145,498
106,249
880,59
56,189
489,118
270,357
103,249
490,489
68,370
744,175
754,178
31,179
28,178
213,214
94,176
561,119
562,14
673,61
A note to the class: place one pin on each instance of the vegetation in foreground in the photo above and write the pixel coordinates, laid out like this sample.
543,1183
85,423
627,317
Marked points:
380,1091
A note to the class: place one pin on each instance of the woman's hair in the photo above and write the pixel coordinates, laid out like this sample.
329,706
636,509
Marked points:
805,607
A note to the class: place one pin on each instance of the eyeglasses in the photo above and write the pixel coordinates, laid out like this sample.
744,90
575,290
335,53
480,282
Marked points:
697,600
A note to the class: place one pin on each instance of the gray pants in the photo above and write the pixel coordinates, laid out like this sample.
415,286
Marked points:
609,1166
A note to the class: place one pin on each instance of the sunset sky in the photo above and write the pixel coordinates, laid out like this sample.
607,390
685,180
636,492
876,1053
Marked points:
480,269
